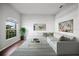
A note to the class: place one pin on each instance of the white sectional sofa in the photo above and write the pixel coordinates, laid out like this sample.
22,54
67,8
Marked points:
53,43
64,47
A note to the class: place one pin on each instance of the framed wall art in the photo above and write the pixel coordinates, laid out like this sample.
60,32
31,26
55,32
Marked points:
66,26
39,27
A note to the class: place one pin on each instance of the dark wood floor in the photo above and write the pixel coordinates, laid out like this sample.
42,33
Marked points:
9,50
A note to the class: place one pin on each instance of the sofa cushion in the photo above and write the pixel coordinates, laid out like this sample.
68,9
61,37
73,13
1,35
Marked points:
62,38
52,38
74,39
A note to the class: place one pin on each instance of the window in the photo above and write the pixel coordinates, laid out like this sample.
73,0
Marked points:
10,29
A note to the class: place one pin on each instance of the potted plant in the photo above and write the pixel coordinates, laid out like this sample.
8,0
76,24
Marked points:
22,33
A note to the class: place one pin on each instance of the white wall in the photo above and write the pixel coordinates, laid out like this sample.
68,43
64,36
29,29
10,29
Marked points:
7,11
68,14
29,20
0,22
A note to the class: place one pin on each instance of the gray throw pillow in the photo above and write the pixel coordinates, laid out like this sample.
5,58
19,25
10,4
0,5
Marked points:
74,39
62,38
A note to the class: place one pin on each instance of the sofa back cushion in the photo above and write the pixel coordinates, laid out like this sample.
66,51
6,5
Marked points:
62,38
74,39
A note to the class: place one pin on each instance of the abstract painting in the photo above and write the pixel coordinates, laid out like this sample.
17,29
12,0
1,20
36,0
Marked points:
66,26
39,27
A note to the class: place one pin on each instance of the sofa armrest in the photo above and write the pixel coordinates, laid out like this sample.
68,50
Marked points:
68,48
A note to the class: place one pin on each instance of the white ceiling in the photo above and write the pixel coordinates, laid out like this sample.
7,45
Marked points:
37,8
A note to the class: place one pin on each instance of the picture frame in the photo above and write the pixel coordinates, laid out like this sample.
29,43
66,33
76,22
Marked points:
39,27
66,26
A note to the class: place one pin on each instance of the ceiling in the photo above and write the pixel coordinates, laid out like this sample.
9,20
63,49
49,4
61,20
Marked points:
38,8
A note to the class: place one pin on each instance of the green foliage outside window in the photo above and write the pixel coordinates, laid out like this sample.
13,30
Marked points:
10,30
